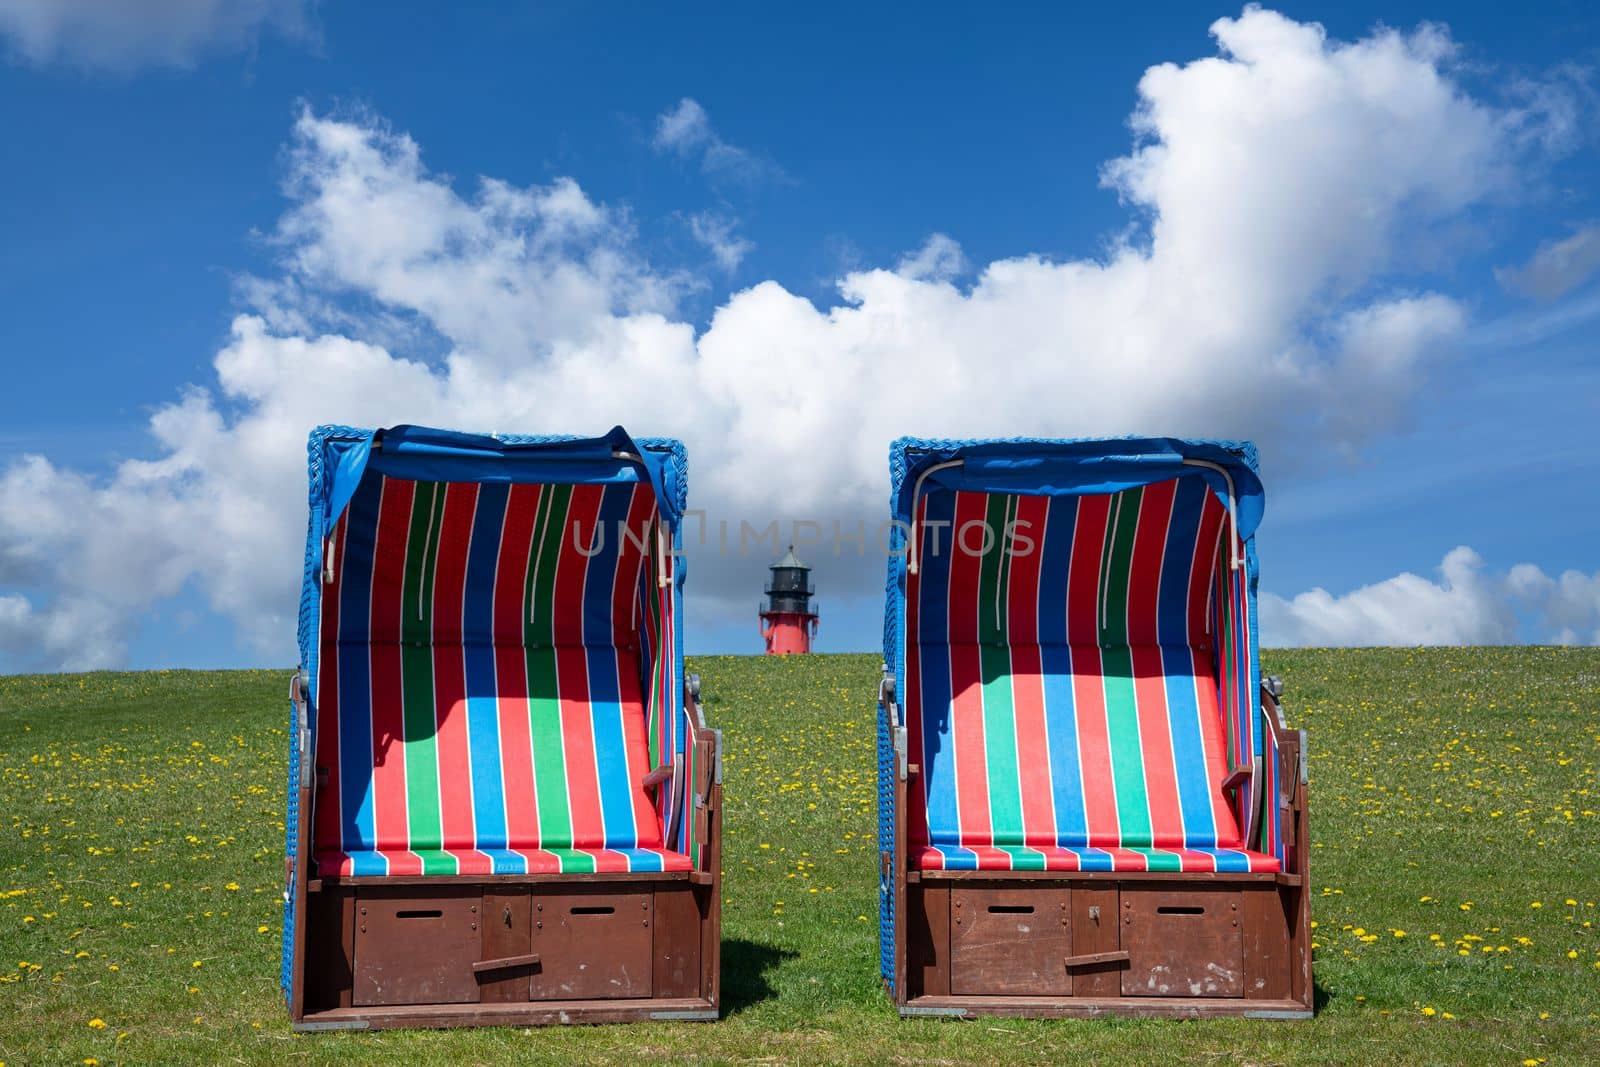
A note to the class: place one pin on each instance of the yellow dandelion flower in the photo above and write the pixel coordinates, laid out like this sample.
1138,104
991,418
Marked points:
97,1024
1429,1012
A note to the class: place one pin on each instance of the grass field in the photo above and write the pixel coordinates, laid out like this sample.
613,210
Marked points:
1456,873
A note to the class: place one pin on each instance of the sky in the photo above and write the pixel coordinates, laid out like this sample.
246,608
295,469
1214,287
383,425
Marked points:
1364,236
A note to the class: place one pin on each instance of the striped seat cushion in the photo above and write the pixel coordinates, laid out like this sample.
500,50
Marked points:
501,861
486,682
1062,699
1056,858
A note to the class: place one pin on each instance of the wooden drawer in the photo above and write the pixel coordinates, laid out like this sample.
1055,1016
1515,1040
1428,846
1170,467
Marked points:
416,945
1010,941
594,944
1182,942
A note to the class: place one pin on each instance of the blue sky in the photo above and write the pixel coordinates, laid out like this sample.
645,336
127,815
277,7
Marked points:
157,186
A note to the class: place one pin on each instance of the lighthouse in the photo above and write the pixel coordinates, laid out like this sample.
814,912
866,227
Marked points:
788,621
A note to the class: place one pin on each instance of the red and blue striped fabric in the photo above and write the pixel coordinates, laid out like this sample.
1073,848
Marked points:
492,680
1062,691
1271,828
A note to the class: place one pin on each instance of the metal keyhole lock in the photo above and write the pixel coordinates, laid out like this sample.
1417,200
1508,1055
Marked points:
507,915
1094,913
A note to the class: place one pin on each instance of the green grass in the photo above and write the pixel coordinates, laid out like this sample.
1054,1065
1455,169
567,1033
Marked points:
1453,798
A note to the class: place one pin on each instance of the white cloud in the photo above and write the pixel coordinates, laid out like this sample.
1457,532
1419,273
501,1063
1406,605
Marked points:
939,259
1570,604
1279,180
1465,607
718,234
163,33
1468,605
1557,267
684,128
686,131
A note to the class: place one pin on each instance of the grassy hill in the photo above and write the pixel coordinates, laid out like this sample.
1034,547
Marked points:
1457,866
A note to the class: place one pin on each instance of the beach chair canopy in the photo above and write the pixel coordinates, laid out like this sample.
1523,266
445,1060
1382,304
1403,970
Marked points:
490,631
1072,629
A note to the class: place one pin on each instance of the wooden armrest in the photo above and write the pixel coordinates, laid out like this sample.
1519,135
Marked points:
1234,778
657,776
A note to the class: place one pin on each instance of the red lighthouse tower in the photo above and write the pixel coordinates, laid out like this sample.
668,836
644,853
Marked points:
788,621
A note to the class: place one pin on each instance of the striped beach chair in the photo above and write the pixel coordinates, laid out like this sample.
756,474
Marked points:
1088,798
504,800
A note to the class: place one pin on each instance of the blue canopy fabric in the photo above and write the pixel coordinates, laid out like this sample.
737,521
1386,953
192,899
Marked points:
1072,467
424,454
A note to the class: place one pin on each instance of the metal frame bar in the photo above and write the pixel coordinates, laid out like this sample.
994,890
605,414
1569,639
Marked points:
916,495
1235,559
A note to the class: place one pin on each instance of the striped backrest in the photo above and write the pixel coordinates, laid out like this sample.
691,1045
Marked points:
494,667
1063,684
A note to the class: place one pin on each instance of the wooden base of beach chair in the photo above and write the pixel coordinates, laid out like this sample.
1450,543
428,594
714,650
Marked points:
511,950
1148,943
516,950
1121,944
373,952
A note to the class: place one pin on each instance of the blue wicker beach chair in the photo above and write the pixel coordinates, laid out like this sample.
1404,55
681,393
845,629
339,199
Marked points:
1089,801
504,800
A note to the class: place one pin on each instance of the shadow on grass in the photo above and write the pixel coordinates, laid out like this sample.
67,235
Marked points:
1320,997
745,965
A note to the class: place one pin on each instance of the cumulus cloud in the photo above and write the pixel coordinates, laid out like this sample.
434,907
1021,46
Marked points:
1464,607
1557,267
1467,605
1570,603
1275,184
161,33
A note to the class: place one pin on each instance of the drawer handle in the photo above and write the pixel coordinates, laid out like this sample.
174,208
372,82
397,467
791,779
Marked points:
605,909
504,962
1089,959
432,914
1010,909
1180,909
